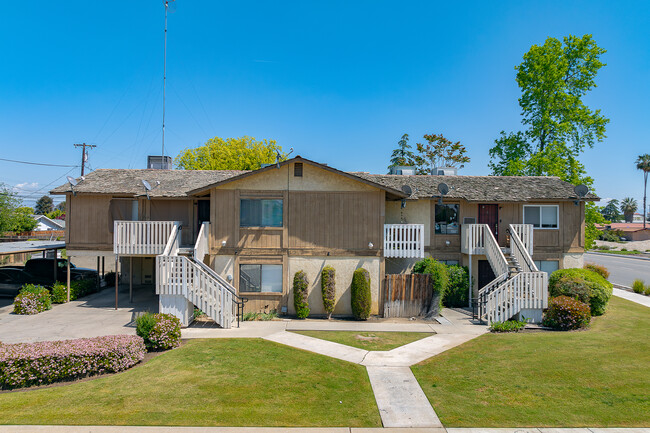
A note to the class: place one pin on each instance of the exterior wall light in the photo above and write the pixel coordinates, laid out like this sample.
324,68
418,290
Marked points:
370,245
223,243
447,243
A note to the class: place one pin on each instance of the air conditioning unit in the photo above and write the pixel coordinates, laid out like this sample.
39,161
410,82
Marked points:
159,162
404,170
445,171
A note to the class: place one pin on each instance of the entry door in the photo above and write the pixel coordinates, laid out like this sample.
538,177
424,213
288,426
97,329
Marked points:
485,273
203,213
489,214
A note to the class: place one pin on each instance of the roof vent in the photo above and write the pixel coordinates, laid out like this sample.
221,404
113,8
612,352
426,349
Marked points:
445,171
404,170
297,169
159,162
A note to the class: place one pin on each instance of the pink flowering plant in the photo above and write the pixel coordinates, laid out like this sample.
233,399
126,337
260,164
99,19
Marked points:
159,331
32,300
565,313
30,364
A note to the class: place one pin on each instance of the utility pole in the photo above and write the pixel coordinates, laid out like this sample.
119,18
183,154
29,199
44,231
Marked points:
84,154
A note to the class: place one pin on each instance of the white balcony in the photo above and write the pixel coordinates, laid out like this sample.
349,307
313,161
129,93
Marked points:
404,240
141,238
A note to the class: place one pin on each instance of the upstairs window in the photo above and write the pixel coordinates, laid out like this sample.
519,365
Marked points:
542,216
447,219
260,213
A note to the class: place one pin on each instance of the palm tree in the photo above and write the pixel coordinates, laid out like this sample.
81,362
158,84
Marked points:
643,163
628,207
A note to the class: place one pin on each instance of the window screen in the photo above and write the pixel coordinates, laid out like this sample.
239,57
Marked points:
260,213
545,217
260,278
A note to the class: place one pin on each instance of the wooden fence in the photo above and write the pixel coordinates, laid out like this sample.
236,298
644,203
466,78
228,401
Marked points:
409,295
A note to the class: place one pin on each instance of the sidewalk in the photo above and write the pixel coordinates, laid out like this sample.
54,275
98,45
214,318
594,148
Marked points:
634,297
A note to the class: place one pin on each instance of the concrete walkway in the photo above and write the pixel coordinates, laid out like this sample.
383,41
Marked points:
634,297
400,400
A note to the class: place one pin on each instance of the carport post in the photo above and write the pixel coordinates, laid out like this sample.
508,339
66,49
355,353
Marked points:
103,266
55,267
131,279
68,278
98,284
116,278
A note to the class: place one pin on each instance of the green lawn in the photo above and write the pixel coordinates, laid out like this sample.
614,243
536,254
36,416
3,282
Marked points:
242,382
368,340
598,377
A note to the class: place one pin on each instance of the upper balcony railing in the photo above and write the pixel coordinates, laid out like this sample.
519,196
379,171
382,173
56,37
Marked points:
404,240
141,238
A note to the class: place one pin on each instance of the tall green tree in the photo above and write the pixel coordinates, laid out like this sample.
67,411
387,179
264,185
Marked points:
61,206
244,153
553,79
628,207
402,155
439,151
643,164
44,205
8,204
611,211
22,220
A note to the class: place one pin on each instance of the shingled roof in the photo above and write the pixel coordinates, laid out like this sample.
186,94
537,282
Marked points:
482,188
173,183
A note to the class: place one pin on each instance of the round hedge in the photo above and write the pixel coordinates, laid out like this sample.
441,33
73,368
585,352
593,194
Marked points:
566,313
360,293
584,285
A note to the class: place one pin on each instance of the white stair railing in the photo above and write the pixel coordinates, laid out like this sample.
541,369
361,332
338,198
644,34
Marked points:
526,290
519,251
202,246
525,233
133,238
493,252
404,240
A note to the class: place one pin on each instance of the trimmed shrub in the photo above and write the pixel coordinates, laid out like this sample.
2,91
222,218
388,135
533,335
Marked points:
32,300
638,286
59,293
439,275
599,269
647,290
29,364
300,302
159,331
360,293
566,313
508,326
328,289
82,288
457,292
583,284
109,278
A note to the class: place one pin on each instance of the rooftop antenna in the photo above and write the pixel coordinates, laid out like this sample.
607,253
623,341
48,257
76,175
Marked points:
73,182
278,157
169,7
581,191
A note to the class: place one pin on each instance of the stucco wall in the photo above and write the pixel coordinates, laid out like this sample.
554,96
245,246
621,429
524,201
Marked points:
224,266
573,260
345,267
415,212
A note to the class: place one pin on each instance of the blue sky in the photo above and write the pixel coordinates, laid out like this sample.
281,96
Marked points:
338,81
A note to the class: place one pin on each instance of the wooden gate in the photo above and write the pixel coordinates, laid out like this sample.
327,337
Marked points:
408,295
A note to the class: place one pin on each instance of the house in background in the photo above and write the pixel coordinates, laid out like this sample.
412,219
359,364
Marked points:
45,223
211,238
637,218
629,231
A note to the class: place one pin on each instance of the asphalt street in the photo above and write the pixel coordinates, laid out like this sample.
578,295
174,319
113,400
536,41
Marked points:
623,270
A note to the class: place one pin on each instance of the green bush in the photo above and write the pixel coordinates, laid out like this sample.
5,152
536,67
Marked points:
81,288
457,292
439,275
32,300
159,331
647,290
109,278
566,313
508,326
360,292
262,317
328,289
638,286
59,293
599,269
300,286
583,284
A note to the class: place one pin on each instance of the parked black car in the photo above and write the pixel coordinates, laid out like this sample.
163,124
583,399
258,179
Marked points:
44,268
12,279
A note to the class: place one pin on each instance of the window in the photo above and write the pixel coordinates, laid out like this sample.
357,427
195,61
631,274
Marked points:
260,213
297,169
548,266
544,217
447,219
260,278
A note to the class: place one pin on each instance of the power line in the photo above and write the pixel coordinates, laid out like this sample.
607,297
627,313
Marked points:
84,155
38,163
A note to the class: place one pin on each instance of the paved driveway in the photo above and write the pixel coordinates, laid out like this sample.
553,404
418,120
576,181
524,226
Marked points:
92,316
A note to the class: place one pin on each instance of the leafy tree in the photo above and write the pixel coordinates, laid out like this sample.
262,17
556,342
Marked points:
553,78
8,204
22,220
438,151
61,207
244,153
628,207
44,205
643,163
592,217
56,214
403,154
611,211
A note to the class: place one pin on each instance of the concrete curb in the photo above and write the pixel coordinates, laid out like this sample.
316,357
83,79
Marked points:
618,255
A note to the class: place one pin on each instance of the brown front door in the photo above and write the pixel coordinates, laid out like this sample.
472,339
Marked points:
489,214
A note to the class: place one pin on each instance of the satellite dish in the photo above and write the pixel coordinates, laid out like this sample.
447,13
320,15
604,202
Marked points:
581,190
72,181
146,185
407,190
443,189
